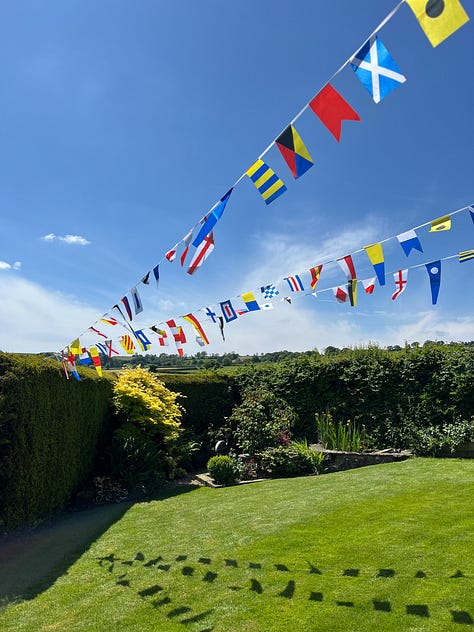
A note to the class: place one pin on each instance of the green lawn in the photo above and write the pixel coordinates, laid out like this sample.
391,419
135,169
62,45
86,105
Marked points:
389,547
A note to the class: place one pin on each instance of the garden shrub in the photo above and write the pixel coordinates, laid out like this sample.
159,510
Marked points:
294,460
222,470
444,440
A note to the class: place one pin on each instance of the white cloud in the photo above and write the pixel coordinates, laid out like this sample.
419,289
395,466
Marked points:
67,239
10,266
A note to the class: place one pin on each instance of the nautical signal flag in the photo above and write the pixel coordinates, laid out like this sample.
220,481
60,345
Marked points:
198,327
295,283
267,183
315,274
294,151
376,69
434,272
438,18
162,336
126,304
212,218
340,293
228,311
409,241
75,347
331,109
376,258
442,223
466,255
369,285
127,344
400,278
143,341
471,213
171,254
94,353
250,302
269,292
352,291
178,335
137,301
109,320
202,253
347,265
187,240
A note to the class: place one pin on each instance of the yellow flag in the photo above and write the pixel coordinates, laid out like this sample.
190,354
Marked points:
442,223
75,347
127,344
438,18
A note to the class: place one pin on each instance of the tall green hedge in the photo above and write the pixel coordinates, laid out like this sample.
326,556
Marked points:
49,430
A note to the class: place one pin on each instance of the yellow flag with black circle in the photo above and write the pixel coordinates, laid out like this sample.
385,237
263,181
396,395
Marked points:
438,18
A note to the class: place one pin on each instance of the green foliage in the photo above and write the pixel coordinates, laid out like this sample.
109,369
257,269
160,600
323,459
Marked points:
444,440
49,431
339,436
108,491
297,459
222,470
142,399
262,420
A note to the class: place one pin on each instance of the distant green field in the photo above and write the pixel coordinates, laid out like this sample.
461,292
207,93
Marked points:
388,547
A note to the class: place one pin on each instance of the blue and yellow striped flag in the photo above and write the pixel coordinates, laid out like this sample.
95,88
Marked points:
266,181
466,255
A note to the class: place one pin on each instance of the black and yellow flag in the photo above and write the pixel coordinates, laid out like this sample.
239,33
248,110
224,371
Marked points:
438,18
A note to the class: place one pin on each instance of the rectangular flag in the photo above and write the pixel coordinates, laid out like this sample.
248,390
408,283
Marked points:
186,240
315,274
295,283
294,152
228,311
466,255
471,213
267,183
142,339
84,358
331,109
212,218
376,258
109,320
434,272
409,241
162,336
211,314
438,18
127,344
178,335
376,69
250,302
347,266
124,300
137,301
171,254
94,353
198,327
340,293
156,274
203,251
369,285
400,278
96,331
108,344
352,291
269,292
442,223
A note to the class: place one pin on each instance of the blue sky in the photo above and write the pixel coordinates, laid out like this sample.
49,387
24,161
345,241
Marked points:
123,123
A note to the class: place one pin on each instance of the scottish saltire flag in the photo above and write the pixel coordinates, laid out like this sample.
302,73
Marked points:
331,109
269,292
442,223
228,311
340,293
143,341
376,258
466,255
400,278
347,266
127,344
294,152
137,301
376,69
250,302
315,274
295,283
203,251
212,218
190,318
434,272
409,241
267,183
162,336
438,18
369,285
94,353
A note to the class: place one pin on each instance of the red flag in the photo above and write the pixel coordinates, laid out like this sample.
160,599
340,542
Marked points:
330,107
202,252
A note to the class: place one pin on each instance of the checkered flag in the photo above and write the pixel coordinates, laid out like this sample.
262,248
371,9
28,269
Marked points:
269,292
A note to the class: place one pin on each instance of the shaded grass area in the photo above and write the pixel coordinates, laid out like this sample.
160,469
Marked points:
387,547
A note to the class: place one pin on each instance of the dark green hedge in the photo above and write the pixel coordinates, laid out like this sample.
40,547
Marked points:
49,430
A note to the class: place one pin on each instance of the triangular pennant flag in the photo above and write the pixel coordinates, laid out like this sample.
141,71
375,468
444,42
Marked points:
187,240
203,251
96,331
109,320
75,347
347,266
438,18
198,327
400,279
434,272
156,274
376,258
409,241
330,107
340,293
442,223
267,183
127,344
212,218
315,274
171,254
376,69
94,353
146,279
369,285
137,301
294,152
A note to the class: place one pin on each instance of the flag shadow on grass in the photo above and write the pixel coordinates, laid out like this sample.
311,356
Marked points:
223,573
31,561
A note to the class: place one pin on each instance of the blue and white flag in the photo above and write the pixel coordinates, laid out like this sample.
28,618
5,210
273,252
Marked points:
212,218
434,272
409,241
269,292
137,301
228,311
376,69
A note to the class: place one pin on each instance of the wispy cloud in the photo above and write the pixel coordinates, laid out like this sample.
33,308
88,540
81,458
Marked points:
10,266
67,239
